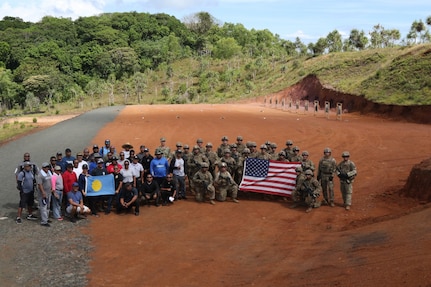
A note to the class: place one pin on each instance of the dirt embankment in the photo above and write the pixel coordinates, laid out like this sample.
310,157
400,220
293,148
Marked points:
311,89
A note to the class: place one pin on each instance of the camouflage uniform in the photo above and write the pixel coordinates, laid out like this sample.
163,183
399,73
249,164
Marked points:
195,161
211,156
325,174
306,162
166,151
346,171
223,146
297,196
240,165
225,184
288,150
263,154
310,190
253,151
282,156
240,146
295,157
230,162
203,183
199,143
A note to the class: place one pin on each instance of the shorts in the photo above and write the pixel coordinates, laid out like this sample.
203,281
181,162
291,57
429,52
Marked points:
26,199
78,209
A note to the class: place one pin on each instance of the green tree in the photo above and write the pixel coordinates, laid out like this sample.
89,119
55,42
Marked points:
334,42
226,48
357,39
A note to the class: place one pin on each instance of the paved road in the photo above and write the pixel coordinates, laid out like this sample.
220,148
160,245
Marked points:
75,133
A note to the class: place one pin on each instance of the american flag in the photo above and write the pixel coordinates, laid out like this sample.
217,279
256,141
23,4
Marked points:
269,176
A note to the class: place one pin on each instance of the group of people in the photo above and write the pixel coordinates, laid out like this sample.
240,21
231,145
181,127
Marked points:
141,178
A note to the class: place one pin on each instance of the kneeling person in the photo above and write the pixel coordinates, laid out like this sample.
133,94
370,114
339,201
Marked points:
203,183
129,198
310,190
75,203
225,184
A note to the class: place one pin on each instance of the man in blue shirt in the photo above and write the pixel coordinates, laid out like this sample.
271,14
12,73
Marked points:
25,185
159,167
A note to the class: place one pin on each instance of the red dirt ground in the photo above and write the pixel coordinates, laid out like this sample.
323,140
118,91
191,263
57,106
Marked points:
383,241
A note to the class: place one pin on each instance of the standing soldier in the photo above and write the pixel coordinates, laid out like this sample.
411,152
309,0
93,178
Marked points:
289,150
282,156
240,146
263,154
272,150
346,171
211,156
225,184
253,149
194,163
296,157
230,162
310,190
240,166
326,171
166,151
307,163
200,144
224,145
203,184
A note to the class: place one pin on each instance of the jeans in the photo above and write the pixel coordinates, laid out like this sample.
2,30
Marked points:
181,185
56,204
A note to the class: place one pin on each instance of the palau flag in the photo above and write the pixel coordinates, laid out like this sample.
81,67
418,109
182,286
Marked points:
100,185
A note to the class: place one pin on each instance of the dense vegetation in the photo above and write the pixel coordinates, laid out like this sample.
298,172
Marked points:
121,58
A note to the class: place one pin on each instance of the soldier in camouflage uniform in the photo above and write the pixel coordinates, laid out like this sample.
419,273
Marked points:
310,190
234,152
195,160
272,150
307,163
186,152
203,183
282,156
325,174
289,150
240,165
200,144
253,150
211,156
225,184
224,145
297,196
263,154
296,157
227,158
166,151
346,171
240,146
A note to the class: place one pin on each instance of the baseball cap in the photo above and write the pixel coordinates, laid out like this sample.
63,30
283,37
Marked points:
100,160
75,184
95,146
59,153
57,167
107,141
68,150
45,164
146,150
27,163
162,139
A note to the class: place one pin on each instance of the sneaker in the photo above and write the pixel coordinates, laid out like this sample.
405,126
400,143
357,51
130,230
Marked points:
45,224
60,219
332,204
235,200
136,213
212,202
31,217
18,220
347,207
309,209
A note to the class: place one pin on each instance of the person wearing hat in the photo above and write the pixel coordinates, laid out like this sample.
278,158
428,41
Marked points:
289,149
25,185
310,190
307,163
177,168
240,165
223,146
281,156
179,147
211,156
203,184
200,144
325,174
126,149
263,154
295,157
45,189
297,196
230,162
95,151
81,162
141,152
60,162
86,155
151,190
195,161
114,163
253,150
224,184
69,177
75,203
146,161
159,167
68,157
57,194
95,202
240,146
346,171
138,171
166,151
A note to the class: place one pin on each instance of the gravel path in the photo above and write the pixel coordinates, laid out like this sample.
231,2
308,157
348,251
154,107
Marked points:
32,255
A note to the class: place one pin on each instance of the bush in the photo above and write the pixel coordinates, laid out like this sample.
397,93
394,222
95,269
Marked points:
34,120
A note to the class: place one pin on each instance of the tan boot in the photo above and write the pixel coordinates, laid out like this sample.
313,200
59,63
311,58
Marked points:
332,204
235,200
347,207
212,202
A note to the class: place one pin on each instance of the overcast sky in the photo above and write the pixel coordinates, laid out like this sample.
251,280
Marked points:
308,20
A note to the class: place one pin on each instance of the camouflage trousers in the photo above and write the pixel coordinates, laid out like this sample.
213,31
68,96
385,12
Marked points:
346,192
200,193
222,192
327,188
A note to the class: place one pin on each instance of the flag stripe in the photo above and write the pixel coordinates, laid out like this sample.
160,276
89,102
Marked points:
269,176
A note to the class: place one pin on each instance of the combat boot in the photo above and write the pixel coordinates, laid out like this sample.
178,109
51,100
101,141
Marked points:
347,207
212,202
332,204
235,200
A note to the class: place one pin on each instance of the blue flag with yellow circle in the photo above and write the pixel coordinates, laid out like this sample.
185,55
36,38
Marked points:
100,185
